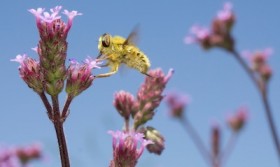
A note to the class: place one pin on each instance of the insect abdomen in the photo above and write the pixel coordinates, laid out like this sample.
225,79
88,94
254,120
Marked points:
137,59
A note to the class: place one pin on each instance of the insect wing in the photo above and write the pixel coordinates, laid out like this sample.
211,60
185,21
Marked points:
133,37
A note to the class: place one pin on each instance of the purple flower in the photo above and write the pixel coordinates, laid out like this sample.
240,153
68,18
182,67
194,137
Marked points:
150,95
259,64
176,103
124,102
197,34
238,120
30,72
226,13
51,23
79,76
127,148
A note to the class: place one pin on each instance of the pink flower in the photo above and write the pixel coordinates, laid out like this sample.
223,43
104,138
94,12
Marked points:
259,64
177,103
30,72
150,95
197,34
226,13
124,102
79,76
127,148
238,120
50,23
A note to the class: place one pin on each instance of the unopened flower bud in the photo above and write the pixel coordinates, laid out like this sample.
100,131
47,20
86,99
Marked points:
158,140
79,76
124,102
150,95
177,104
30,72
237,121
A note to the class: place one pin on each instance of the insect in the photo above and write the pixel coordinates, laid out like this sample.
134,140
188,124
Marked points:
117,50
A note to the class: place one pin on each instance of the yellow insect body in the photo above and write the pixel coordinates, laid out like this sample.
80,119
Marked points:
117,50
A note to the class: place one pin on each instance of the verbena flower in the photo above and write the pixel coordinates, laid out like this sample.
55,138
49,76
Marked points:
79,76
237,121
30,72
176,103
127,148
124,102
52,46
149,96
19,156
218,35
216,139
259,62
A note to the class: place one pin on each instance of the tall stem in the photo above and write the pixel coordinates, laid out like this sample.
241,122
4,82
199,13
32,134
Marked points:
58,125
229,147
197,140
263,92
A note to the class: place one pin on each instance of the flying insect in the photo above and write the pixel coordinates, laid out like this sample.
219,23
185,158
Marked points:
117,50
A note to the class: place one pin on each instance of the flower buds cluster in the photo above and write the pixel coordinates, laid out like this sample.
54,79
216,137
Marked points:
259,64
79,76
30,72
149,96
177,104
19,156
237,121
127,148
220,33
52,46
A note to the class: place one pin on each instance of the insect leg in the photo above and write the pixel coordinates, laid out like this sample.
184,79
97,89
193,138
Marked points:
113,71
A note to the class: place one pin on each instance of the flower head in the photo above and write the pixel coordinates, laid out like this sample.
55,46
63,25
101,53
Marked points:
30,72
124,102
127,148
237,121
216,137
150,95
52,47
198,34
176,103
259,64
79,76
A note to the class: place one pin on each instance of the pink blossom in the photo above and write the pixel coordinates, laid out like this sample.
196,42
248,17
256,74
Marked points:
177,103
29,70
226,13
127,147
79,76
197,34
238,120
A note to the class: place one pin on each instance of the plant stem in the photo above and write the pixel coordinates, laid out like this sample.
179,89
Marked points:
229,147
47,105
58,125
263,92
65,111
196,139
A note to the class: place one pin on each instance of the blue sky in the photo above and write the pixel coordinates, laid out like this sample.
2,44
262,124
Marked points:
216,83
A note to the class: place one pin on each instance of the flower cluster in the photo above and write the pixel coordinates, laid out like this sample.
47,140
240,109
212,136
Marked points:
49,73
142,108
127,148
79,76
19,156
176,104
237,121
219,35
259,64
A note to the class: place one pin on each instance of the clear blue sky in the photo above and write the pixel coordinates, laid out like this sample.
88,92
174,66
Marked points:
214,80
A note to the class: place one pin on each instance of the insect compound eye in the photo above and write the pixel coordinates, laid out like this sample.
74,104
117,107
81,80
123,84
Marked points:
105,40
